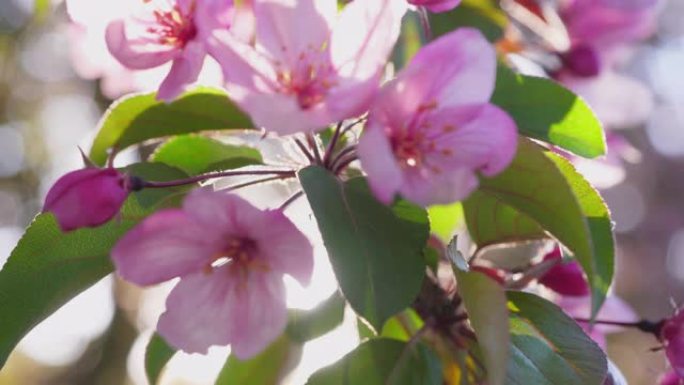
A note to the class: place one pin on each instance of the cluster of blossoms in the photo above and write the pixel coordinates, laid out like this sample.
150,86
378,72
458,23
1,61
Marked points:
294,67
298,67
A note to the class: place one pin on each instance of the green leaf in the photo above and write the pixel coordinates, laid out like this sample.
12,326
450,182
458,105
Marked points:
265,369
196,154
402,326
157,355
547,188
383,361
445,219
48,268
375,250
485,302
134,119
490,221
545,110
485,15
307,325
548,347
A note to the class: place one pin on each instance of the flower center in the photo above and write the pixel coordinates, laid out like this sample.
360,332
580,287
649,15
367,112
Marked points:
240,255
309,80
174,27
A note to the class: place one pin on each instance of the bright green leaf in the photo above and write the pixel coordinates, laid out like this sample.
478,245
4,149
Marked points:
307,325
196,154
490,221
445,219
547,188
485,302
485,15
383,361
402,326
545,110
48,267
157,355
375,250
265,369
134,119
548,347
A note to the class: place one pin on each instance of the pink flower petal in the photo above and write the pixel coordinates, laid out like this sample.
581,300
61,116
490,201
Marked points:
484,137
223,308
427,188
259,314
284,248
457,69
377,159
364,37
437,5
287,28
184,71
137,52
168,244
199,312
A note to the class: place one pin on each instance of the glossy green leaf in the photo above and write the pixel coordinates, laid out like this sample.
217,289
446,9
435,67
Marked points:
307,325
383,361
547,188
137,118
48,267
157,355
375,250
485,15
485,302
548,347
196,154
490,221
265,369
545,110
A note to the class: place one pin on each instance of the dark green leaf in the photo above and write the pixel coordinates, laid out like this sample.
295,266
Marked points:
375,250
548,347
198,154
307,325
546,187
265,369
485,15
157,354
485,302
545,110
134,119
383,361
48,268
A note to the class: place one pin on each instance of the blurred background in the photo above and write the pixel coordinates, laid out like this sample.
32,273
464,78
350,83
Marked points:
56,80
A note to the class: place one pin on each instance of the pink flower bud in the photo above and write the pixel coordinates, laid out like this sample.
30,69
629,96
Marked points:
582,61
672,335
670,378
86,198
564,278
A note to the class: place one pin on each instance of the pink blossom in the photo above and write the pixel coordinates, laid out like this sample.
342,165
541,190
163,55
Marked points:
231,258
672,335
670,378
604,24
436,5
87,197
565,278
432,129
310,66
163,31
